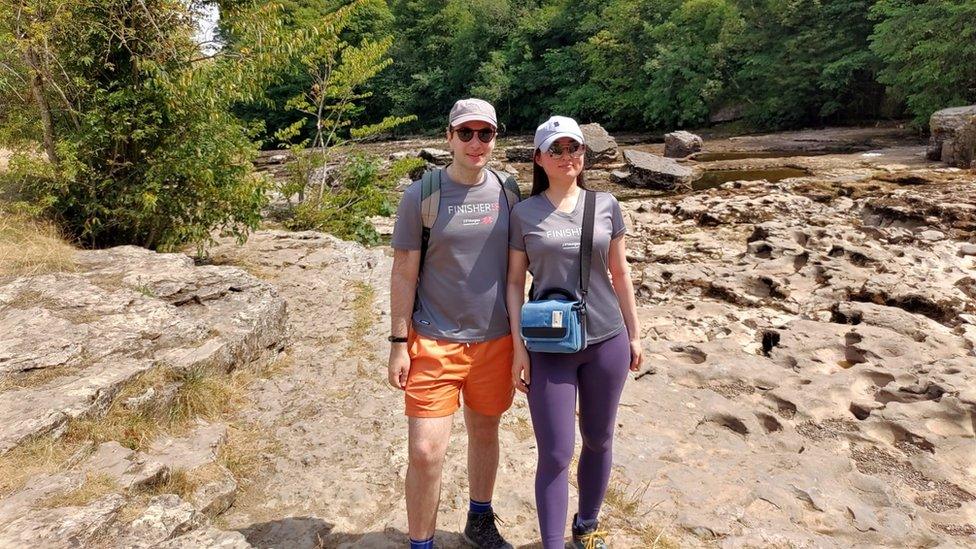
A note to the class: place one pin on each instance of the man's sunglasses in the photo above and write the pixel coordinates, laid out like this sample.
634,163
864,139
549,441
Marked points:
574,149
484,135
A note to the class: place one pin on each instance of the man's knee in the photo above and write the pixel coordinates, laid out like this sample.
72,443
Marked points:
427,455
483,428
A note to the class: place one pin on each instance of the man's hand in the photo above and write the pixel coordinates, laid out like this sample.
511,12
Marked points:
399,365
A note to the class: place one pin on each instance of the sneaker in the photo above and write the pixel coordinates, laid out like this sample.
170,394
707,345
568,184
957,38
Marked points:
481,532
588,537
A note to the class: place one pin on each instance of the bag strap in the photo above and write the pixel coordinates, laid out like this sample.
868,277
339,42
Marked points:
586,241
430,202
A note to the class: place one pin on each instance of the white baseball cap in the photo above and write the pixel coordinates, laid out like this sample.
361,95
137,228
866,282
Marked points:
466,110
554,128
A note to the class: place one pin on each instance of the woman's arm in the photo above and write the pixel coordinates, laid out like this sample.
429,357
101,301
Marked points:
518,263
623,286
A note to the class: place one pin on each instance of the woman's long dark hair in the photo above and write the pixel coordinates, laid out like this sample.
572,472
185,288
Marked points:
540,181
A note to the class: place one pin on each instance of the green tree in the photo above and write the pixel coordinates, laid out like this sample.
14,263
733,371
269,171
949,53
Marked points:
929,53
805,62
347,188
366,22
134,119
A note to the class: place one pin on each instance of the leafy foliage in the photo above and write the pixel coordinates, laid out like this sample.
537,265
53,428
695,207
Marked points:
360,192
929,52
664,64
140,145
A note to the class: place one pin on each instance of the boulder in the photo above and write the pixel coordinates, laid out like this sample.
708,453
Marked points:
619,176
128,468
953,136
654,172
194,449
601,147
681,144
323,176
66,527
167,516
519,153
216,495
438,157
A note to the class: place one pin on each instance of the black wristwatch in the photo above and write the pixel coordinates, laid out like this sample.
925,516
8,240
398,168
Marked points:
395,339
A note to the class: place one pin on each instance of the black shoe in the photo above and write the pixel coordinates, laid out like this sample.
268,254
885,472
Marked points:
481,532
588,537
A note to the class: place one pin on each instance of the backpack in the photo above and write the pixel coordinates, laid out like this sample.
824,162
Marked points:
430,200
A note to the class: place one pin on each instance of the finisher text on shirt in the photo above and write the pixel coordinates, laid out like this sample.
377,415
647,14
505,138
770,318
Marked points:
564,233
472,208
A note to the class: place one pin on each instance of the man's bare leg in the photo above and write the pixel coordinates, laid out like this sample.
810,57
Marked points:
482,453
428,439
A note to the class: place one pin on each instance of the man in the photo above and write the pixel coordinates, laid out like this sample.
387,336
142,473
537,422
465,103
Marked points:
457,340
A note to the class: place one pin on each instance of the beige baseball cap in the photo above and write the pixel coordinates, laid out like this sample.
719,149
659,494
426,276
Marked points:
466,110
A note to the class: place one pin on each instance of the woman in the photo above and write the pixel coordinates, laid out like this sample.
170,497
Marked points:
544,237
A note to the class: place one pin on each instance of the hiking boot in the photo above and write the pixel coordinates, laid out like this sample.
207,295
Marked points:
481,532
588,536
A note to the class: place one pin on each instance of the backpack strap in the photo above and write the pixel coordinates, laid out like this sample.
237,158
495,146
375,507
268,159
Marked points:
430,202
512,192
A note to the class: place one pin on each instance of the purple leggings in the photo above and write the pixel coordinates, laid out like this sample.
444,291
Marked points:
598,373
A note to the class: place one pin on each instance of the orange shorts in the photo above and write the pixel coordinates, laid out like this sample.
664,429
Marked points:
441,370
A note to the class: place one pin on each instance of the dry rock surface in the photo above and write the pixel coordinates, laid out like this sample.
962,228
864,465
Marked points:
70,343
809,380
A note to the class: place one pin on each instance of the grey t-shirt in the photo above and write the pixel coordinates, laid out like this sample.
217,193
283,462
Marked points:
461,293
551,240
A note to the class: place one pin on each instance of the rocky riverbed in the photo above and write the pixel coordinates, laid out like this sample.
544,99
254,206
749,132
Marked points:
810,373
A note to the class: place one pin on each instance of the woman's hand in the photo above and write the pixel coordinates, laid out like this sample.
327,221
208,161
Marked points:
520,369
636,355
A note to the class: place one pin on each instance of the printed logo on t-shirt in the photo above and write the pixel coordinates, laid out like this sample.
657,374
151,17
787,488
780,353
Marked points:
480,208
565,233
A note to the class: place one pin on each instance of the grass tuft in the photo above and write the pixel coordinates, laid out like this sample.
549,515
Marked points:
201,393
244,449
40,455
363,319
95,486
178,482
31,247
625,510
185,396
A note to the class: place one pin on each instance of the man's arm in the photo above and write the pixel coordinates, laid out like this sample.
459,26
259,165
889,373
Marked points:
403,287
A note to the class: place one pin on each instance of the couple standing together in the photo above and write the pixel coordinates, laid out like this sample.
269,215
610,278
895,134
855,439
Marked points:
461,251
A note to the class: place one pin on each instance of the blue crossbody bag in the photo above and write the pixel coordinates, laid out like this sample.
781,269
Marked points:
553,321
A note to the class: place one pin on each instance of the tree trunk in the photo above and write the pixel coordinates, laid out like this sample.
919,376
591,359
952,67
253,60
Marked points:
37,89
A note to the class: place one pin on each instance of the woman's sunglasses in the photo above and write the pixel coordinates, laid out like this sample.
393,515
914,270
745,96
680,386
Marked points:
574,149
484,135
